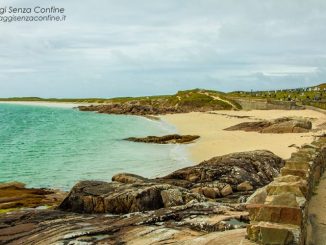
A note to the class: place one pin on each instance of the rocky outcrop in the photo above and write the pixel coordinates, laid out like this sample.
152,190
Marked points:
254,168
166,139
184,101
15,195
216,178
118,198
279,211
193,223
179,208
276,126
131,109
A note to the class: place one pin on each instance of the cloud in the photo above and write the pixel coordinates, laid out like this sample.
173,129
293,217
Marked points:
121,48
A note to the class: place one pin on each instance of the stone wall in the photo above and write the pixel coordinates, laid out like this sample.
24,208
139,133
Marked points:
279,211
265,104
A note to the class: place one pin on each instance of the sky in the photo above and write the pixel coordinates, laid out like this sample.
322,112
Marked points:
109,48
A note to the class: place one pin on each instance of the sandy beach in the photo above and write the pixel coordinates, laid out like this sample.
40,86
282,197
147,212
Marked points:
45,103
215,141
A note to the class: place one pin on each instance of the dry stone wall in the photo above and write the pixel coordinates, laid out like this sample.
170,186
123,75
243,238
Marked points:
279,211
265,104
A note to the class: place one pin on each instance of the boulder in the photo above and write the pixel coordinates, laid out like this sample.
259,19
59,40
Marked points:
210,192
276,126
115,197
128,178
290,126
245,186
227,190
257,167
172,197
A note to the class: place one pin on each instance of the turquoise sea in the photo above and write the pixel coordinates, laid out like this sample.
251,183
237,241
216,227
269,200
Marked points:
56,147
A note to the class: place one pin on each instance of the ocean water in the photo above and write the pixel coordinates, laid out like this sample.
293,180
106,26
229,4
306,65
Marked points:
56,147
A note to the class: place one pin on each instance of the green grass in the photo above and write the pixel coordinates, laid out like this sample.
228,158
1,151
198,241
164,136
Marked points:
302,96
201,98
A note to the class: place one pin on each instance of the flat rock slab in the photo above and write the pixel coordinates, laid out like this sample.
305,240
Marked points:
185,223
15,195
166,139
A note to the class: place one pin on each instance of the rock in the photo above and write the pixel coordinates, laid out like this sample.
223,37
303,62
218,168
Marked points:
167,225
12,185
250,126
118,198
245,186
128,178
257,167
15,195
258,197
283,199
291,126
271,233
167,139
210,192
227,190
215,178
275,214
276,126
172,197
298,188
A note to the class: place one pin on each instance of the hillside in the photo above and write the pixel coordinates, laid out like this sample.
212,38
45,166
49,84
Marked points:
183,101
193,100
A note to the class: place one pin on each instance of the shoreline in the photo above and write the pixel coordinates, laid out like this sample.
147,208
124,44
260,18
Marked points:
214,141
46,103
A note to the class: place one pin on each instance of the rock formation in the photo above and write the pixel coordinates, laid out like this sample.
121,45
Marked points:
182,102
166,139
179,208
276,126
254,168
182,224
15,195
215,178
118,198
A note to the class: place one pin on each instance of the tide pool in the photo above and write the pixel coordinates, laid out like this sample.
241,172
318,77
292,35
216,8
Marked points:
56,147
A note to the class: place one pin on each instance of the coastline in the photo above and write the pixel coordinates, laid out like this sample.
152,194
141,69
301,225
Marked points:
214,141
46,103
156,160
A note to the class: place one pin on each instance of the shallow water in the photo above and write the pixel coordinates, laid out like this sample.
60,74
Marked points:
56,147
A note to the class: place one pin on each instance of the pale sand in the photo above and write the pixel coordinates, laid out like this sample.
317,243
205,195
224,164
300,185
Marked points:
215,141
45,103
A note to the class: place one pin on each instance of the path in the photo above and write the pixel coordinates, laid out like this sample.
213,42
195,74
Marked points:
317,215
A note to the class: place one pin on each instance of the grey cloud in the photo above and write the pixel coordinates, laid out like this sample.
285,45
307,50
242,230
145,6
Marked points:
116,48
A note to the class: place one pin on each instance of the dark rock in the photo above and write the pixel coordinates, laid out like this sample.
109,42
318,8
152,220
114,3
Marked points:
167,139
114,197
257,167
129,178
276,126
